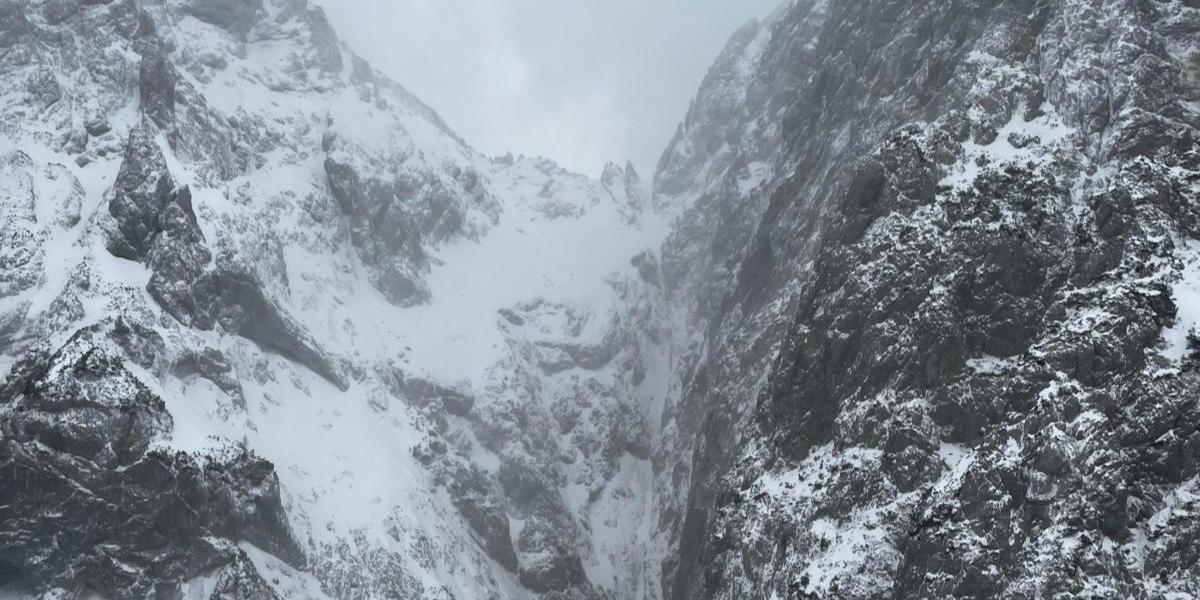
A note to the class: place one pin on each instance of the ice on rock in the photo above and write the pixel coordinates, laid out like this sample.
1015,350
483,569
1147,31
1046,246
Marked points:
906,311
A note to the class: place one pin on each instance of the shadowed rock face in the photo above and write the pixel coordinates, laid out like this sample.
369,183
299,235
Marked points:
143,189
21,233
231,297
392,219
905,339
237,16
156,222
250,221
385,232
156,75
480,505
971,237
86,501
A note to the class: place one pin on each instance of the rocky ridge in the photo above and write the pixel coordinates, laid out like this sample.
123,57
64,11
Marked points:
909,313
292,335
950,356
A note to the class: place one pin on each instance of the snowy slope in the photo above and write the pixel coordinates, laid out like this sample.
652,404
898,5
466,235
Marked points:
486,329
909,312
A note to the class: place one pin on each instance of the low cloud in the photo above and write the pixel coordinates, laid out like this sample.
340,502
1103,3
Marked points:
579,81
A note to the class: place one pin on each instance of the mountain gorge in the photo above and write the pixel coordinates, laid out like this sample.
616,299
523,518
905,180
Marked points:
907,311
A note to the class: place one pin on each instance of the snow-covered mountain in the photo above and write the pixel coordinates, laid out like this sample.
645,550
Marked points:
229,245
939,266
906,313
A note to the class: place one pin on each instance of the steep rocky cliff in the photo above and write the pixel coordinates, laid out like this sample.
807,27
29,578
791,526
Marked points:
275,331
950,349
910,312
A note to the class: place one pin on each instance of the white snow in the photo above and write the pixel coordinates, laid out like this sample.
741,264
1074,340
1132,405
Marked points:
1186,294
853,548
952,454
990,365
1046,132
622,526
288,583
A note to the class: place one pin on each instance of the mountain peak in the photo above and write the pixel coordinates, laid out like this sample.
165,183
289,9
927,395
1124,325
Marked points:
909,312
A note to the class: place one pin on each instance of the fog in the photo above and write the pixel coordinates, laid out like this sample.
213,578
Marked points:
581,81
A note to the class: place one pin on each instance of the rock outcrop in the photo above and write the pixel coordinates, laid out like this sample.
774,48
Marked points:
90,502
965,250
923,323
277,250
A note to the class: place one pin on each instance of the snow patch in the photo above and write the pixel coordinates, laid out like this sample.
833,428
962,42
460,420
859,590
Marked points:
1186,294
1034,139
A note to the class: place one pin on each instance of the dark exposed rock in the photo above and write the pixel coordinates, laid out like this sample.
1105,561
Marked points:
384,231
393,214
240,580
43,87
20,255
648,268
237,16
13,23
545,565
91,408
67,196
11,323
472,495
156,75
143,345
57,11
327,52
142,189
355,571
923,259
232,297
1008,323
77,421
546,553
178,258
422,392
212,365
157,223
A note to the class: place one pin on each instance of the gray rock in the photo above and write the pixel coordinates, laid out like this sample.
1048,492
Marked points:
156,75
66,197
212,365
14,24
546,565
76,419
43,88
484,512
156,222
422,392
20,235
240,580
237,16
230,296
384,230
901,293
142,189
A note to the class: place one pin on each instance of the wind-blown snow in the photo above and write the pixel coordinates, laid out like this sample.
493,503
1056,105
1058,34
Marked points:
1187,301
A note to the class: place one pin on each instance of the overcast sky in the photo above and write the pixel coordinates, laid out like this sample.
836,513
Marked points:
583,82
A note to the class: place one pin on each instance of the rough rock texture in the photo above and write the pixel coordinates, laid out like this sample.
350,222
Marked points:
142,191
978,231
20,255
911,312
87,500
156,222
390,218
237,16
156,75
279,250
